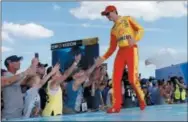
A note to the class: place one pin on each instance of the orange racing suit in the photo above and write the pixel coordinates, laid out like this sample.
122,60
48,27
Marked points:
126,56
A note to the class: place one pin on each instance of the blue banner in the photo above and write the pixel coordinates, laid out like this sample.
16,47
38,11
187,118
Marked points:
179,70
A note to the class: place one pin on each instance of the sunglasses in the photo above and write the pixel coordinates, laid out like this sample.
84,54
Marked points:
107,14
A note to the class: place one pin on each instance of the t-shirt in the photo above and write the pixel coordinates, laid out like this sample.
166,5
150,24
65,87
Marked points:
156,98
71,95
150,88
32,100
54,103
13,99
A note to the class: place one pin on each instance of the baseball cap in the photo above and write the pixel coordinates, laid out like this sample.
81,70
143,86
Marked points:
13,58
108,9
42,65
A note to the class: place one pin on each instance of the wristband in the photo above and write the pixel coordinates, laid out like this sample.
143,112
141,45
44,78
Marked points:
75,63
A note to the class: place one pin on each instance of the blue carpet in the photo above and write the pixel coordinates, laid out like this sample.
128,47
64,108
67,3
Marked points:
176,112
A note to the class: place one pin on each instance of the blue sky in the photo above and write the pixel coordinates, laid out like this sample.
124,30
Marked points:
30,27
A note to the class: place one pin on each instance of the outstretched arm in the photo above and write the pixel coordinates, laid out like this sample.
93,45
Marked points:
5,81
31,70
54,70
70,70
112,48
91,69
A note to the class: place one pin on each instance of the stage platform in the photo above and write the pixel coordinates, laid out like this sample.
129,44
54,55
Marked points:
177,112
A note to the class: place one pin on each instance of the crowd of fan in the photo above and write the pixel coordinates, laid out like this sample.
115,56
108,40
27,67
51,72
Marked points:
171,91
41,91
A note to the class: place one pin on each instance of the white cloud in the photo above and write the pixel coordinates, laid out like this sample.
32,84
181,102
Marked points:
148,10
6,37
28,31
167,56
146,71
6,49
56,7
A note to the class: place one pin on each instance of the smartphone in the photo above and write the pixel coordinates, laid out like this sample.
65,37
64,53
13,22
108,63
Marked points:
36,55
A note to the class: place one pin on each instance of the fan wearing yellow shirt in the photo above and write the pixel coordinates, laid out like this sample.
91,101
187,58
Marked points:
125,33
54,104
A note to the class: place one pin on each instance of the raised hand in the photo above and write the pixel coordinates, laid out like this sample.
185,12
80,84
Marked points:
55,68
99,61
34,62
